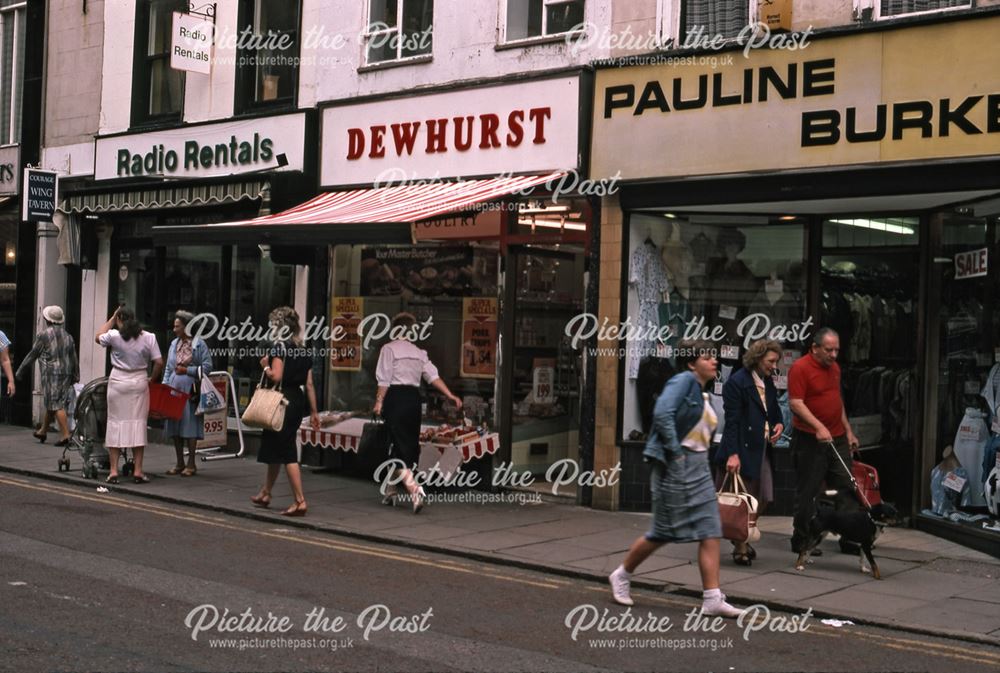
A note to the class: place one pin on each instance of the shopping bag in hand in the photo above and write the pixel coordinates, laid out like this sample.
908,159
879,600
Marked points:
209,399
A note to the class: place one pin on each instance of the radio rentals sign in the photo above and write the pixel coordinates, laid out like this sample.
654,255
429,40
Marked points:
191,44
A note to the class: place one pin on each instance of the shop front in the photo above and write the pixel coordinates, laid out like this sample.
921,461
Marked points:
446,205
849,185
192,176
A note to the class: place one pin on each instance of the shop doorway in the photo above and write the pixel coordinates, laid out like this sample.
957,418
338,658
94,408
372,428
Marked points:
544,290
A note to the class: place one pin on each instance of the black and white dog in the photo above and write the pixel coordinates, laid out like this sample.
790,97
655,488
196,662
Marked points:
860,527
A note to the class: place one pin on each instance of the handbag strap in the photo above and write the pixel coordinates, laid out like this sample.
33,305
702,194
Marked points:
277,386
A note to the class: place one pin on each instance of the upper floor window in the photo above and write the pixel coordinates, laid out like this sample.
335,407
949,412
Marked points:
711,18
398,29
158,89
268,66
526,19
894,8
12,26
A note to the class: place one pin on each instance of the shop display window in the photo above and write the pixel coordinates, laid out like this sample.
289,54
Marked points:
968,380
729,279
869,294
436,283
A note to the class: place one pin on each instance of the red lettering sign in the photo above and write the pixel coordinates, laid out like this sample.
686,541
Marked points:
488,131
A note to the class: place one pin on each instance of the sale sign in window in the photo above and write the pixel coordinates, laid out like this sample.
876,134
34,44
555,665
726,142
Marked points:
479,337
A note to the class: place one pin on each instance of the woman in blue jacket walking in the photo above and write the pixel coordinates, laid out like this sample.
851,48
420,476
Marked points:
685,508
753,424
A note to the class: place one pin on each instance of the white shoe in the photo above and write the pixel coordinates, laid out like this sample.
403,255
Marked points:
418,500
620,586
720,608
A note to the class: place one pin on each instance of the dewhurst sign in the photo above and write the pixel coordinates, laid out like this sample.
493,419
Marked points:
204,151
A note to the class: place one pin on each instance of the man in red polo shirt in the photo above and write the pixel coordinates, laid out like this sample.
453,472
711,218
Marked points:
819,419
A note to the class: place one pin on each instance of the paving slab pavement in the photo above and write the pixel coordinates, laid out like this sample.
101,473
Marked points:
930,585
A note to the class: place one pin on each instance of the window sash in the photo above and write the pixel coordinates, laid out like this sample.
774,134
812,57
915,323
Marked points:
717,17
396,32
159,94
251,81
12,41
542,7
899,8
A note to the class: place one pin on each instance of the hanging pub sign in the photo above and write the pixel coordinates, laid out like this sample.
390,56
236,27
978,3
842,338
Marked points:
10,157
479,338
191,44
971,264
346,314
41,190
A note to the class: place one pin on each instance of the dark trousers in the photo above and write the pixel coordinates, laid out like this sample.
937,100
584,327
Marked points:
814,465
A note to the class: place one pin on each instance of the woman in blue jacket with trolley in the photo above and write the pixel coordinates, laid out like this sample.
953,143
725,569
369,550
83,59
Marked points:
188,357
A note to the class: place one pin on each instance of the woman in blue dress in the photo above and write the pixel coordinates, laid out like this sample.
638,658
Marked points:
685,508
188,357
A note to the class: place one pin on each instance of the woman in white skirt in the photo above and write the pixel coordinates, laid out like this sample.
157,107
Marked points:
132,350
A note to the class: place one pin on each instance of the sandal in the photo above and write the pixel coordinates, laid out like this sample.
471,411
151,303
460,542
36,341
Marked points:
752,553
175,470
112,479
261,500
297,509
141,479
40,436
189,471
742,558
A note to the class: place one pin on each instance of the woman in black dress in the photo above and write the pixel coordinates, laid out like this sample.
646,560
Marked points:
288,363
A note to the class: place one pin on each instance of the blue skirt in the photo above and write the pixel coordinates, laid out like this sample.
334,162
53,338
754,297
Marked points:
685,507
189,426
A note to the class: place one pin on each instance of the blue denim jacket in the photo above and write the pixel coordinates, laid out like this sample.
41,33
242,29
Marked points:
678,409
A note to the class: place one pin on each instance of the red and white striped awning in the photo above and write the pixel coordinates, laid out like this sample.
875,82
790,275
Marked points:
403,204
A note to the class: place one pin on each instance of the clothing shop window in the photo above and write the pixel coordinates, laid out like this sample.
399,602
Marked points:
12,35
968,390
854,232
158,89
869,294
729,279
268,74
526,19
896,8
398,29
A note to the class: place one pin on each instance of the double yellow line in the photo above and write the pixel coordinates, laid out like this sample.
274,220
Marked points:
479,570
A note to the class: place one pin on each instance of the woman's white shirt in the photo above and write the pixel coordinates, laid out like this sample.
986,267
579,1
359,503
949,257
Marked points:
132,355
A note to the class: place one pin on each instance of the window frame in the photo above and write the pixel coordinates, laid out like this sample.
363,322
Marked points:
877,11
11,135
367,35
544,36
142,76
668,21
244,100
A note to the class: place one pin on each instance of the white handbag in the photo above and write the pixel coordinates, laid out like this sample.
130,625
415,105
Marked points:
266,409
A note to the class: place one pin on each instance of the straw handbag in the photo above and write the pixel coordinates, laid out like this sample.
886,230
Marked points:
266,409
737,510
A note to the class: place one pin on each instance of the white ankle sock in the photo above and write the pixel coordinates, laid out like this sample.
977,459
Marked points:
621,570
711,594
